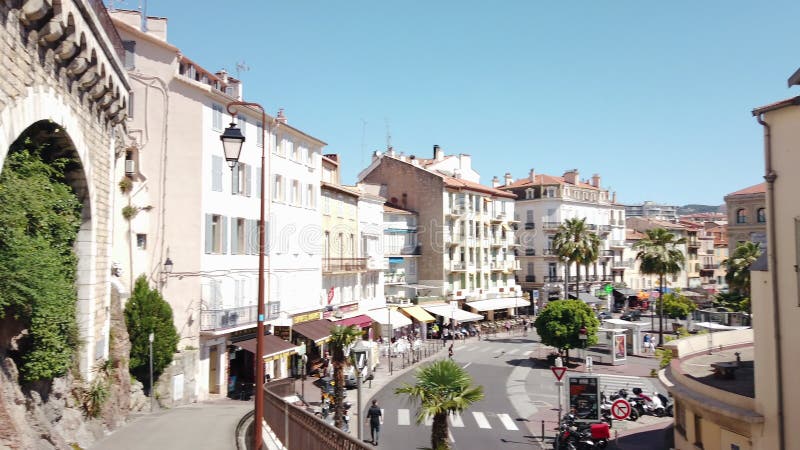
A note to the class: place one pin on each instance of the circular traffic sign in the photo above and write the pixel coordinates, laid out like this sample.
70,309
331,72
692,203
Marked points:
620,409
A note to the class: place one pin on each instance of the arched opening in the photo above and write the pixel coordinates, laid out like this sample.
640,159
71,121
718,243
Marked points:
46,252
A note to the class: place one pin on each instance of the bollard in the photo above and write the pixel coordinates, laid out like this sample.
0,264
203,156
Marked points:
542,430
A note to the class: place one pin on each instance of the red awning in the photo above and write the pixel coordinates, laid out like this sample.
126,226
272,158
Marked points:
361,321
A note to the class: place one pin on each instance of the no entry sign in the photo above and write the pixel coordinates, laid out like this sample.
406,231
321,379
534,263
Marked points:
620,409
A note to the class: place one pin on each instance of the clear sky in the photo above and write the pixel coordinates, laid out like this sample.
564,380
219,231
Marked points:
653,96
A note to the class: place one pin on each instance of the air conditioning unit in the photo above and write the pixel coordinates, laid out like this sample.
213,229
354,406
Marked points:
130,167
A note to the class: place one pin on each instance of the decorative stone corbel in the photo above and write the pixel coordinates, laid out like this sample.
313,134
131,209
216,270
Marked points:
66,50
51,32
33,10
77,67
98,90
88,79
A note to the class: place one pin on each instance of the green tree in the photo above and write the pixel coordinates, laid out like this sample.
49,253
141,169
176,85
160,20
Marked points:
145,313
559,323
591,254
441,388
341,339
658,254
732,301
675,306
738,267
40,217
575,243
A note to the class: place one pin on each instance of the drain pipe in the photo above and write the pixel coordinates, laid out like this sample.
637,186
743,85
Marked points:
772,250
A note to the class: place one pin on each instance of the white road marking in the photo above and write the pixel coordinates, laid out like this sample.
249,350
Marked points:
456,420
507,422
466,365
481,419
403,417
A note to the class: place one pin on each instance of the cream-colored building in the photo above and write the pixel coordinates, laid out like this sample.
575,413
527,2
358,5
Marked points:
747,216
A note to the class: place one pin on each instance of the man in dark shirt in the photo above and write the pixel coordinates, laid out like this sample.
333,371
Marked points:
375,418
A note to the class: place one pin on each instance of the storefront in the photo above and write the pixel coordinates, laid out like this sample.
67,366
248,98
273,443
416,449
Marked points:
308,329
361,321
498,308
389,322
242,362
420,319
449,312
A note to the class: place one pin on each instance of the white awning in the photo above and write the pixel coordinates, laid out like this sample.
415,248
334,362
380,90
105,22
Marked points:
447,311
382,315
498,303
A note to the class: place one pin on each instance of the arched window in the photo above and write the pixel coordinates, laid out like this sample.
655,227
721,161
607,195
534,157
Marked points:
761,215
741,217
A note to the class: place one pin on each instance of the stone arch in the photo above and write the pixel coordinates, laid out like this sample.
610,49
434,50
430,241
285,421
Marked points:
44,116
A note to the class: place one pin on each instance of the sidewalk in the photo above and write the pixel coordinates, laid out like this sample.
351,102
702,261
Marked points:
179,428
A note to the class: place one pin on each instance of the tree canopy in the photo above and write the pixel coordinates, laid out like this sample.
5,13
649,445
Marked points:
738,267
341,339
559,323
40,217
575,243
147,312
676,306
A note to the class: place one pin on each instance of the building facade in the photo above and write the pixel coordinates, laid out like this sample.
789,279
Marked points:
543,203
747,216
652,210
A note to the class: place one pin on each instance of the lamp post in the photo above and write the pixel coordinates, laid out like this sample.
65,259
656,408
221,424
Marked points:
582,336
150,338
232,140
390,333
359,353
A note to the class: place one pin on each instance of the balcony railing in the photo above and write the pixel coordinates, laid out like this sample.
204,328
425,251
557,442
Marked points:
394,277
217,319
530,225
607,253
604,228
549,252
710,266
551,225
627,264
553,279
530,252
458,265
530,278
616,243
344,264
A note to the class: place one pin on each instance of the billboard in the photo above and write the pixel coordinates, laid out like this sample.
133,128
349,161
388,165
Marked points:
584,398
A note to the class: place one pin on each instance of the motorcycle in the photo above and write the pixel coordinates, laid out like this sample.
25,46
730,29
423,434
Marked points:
669,405
623,394
647,405
573,435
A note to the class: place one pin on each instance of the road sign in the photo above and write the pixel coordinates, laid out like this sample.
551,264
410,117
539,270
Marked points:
655,294
536,294
559,372
620,409
608,288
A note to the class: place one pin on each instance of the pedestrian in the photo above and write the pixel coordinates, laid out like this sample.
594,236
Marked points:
375,418
450,351
508,327
646,342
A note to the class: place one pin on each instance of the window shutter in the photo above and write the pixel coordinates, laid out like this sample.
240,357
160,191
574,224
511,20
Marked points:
234,237
258,182
216,173
248,173
224,234
235,179
209,237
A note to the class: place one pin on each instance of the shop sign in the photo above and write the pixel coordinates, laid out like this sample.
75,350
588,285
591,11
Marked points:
281,332
307,317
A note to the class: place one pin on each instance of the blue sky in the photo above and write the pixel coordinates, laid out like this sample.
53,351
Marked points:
653,96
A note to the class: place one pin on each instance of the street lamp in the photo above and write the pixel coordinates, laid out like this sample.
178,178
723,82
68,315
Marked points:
150,338
232,140
391,333
582,335
359,354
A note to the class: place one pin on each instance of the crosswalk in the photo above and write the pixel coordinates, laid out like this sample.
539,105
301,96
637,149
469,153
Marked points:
479,419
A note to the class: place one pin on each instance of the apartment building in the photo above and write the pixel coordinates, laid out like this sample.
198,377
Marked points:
747,216
543,203
402,252
191,209
690,268
652,210
465,230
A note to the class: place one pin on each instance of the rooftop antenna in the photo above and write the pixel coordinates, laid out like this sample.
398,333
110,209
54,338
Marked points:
143,14
241,67
388,134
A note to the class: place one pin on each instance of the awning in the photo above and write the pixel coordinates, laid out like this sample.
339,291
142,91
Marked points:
273,346
382,315
626,292
498,303
360,321
316,330
418,314
418,286
588,298
447,311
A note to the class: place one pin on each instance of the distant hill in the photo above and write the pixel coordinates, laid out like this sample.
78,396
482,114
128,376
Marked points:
694,209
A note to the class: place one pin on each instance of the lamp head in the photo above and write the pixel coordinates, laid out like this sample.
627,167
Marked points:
168,265
232,140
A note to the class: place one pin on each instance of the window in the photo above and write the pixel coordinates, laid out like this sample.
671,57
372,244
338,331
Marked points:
528,194
530,268
130,51
259,134
242,124
310,197
141,241
240,179
277,140
552,269
741,217
288,147
277,188
238,236
310,157
216,234
761,215
216,118
216,173
698,431
296,200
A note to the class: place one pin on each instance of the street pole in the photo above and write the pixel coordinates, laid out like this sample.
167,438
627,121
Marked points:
227,139
360,407
152,394
389,312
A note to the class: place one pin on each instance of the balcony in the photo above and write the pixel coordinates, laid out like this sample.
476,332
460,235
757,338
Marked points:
497,266
530,252
530,225
591,227
332,265
604,228
470,241
458,266
709,267
627,264
496,242
616,243
692,243
606,253
551,226
394,278
553,279
530,278
456,211
219,319
549,252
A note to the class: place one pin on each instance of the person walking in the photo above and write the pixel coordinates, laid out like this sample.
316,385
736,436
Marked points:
450,351
375,418
646,342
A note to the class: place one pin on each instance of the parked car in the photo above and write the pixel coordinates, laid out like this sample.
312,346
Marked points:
604,315
631,316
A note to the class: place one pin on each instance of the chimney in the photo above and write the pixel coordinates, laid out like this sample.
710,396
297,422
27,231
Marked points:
457,173
532,175
390,151
223,75
508,178
614,197
438,153
281,118
596,180
572,176
495,181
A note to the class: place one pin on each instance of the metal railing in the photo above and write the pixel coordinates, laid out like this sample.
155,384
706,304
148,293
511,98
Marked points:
530,225
344,264
551,225
530,278
216,319
549,252
553,279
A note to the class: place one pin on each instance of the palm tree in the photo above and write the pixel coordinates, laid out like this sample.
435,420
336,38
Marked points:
658,254
574,242
342,338
592,253
738,267
442,388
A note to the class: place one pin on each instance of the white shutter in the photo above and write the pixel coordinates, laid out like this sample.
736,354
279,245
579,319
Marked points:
248,181
224,234
258,182
234,237
216,173
209,237
235,179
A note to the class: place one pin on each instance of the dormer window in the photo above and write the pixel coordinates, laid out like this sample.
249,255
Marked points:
528,194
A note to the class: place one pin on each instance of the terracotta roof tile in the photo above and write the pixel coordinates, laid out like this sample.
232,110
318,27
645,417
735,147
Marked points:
543,179
760,188
460,183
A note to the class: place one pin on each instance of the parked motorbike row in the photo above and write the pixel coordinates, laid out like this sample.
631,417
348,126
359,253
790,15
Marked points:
574,435
657,405
326,413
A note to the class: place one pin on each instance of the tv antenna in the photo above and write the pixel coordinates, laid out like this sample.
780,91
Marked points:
241,67
388,134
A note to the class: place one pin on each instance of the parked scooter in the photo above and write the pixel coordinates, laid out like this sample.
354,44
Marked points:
573,435
623,394
647,405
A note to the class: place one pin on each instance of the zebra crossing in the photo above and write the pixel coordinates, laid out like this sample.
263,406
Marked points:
611,384
473,419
